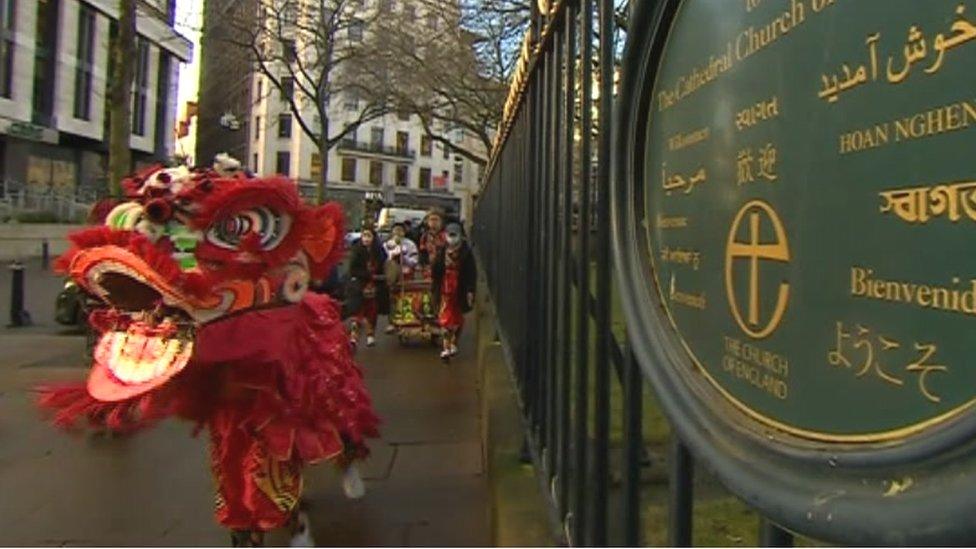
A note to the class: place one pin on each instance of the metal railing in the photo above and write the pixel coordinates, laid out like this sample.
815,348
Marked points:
376,148
73,207
542,234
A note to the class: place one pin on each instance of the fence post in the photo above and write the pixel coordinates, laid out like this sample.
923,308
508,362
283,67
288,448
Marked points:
18,315
680,498
771,535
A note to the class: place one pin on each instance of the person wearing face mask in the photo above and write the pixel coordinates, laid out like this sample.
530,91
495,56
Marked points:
401,254
454,277
432,241
365,266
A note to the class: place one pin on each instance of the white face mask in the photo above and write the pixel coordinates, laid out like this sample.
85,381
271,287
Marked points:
453,240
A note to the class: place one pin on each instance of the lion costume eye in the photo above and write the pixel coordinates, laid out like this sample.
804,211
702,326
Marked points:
270,226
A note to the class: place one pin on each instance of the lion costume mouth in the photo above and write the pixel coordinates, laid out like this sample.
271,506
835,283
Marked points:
147,324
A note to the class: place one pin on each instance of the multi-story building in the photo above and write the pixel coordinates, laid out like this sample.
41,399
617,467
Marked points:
54,68
392,154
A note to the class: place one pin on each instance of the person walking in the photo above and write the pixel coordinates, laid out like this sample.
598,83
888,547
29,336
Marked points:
454,277
365,267
401,260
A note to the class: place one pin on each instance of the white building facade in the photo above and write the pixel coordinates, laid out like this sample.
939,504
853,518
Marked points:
392,154
54,69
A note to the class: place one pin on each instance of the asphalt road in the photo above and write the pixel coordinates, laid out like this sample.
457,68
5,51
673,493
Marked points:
425,481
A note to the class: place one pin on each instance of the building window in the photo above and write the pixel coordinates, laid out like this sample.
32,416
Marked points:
356,30
424,179
255,166
446,150
86,58
402,175
45,61
8,13
351,100
349,170
288,50
376,173
376,136
443,179
458,171
284,125
287,88
403,115
426,146
257,128
283,163
260,89
402,143
141,92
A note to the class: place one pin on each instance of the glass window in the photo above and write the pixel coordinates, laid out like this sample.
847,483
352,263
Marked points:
403,143
257,128
447,151
8,12
376,136
402,175
426,146
141,92
85,66
376,173
425,177
351,100
356,30
288,50
349,170
283,163
284,125
255,166
287,88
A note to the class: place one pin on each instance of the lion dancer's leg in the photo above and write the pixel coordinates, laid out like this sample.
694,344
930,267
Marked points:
256,493
370,315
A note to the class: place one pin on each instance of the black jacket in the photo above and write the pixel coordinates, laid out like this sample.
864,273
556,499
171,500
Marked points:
359,262
467,278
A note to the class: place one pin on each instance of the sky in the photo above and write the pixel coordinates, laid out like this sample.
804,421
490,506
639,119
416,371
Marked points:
189,20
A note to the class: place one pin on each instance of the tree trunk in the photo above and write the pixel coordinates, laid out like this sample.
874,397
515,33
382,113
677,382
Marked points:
324,154
120,95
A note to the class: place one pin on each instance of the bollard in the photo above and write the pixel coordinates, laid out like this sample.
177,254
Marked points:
18,315
45,254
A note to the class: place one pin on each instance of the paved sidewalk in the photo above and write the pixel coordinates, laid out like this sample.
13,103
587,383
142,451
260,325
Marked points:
425,481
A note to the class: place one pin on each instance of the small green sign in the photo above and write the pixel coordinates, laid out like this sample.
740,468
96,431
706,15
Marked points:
810,200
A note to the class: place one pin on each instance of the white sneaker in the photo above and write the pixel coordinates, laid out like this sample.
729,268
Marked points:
303,534
352,483
370,341
446,353
454,350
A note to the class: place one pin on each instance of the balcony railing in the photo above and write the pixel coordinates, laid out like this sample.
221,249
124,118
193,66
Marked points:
376,148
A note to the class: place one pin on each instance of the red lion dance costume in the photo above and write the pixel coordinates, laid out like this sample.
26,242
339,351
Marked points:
205,316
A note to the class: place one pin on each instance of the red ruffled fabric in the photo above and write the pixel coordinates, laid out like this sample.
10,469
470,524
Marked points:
283,379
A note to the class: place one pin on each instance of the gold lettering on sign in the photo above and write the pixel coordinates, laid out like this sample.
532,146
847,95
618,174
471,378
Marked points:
754,251
756,114
898,67
762,165
671,222
681,257
940,120
952,298
680,141
760,368
753,39
685,184
919,205
695,301
870,353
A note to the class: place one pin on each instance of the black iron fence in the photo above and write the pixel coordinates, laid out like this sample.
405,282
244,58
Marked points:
542,232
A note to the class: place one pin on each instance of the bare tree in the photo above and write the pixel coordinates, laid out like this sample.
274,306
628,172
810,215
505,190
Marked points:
123,52
312,52
451,64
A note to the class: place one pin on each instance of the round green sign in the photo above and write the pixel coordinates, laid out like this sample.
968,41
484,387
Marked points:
809,205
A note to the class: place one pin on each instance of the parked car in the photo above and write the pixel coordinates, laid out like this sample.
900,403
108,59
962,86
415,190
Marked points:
69,307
